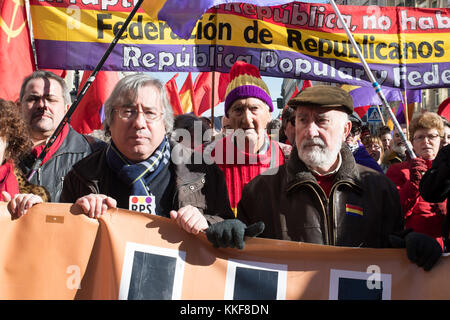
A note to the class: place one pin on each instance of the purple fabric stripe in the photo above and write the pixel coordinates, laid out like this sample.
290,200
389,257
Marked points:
365,96
246,92
86,55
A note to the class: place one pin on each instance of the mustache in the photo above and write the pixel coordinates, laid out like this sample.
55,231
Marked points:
40,113
313,142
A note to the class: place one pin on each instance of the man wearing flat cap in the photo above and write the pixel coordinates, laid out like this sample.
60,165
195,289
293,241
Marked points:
320,195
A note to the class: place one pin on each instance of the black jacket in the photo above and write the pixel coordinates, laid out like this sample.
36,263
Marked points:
435,186
51,174
200,185
294,207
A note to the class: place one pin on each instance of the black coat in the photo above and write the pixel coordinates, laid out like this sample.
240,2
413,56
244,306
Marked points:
199,185
294,207
435,186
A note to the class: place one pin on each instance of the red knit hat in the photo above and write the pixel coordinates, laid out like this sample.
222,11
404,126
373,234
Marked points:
246,82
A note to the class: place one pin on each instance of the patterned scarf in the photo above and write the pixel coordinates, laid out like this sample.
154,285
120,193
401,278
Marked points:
138,175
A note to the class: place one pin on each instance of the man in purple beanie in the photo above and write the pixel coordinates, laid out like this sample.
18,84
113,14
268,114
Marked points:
248,150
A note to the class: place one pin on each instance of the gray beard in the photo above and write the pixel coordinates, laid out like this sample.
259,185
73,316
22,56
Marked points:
318,156
400,149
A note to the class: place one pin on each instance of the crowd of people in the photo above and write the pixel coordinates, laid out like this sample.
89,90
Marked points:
318,176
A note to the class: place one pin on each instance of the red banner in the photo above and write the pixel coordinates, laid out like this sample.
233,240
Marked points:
17,60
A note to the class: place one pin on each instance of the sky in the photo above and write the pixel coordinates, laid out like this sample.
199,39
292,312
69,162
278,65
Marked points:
274,85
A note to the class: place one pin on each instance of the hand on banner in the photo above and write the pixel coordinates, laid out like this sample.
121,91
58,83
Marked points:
94,205
20,203
420,248
230,233
190,219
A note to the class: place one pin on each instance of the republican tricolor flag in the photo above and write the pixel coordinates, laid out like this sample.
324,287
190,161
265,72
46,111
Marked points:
182,16
353,210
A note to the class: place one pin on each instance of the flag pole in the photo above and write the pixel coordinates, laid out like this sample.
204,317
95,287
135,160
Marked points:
381,115
82,92
373,80
30,29
212,98
405,109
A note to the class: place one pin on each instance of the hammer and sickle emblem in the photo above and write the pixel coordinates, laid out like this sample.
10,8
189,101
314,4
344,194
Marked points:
9,30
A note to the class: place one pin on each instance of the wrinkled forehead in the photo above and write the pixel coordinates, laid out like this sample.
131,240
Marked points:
146,95
43,86
248,102
318,110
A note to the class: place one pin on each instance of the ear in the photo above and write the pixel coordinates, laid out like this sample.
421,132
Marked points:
347,128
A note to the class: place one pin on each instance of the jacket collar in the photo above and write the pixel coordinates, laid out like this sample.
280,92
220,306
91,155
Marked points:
298,172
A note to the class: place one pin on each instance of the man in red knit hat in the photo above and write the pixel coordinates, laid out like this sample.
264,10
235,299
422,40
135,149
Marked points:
248,151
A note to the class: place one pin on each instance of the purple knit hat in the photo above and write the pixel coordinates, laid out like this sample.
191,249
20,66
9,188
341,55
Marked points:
246,82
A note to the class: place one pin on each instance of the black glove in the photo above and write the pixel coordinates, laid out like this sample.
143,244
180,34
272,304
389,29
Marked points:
231,232
420,248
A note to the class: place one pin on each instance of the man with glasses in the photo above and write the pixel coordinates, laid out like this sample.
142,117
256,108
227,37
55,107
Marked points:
140,163
247,151
44,99
353,141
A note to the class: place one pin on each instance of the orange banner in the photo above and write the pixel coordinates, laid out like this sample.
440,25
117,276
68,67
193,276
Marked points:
55,253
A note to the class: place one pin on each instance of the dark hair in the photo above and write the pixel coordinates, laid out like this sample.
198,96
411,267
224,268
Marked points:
188,122
286,115
13,128
383,130
43,74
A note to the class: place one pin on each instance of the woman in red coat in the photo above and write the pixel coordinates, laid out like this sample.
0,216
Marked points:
425,217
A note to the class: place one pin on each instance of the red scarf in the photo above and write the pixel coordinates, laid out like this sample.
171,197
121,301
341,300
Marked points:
239,167
8,181
58,142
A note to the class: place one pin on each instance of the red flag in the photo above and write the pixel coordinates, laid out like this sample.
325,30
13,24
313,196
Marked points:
87,116
173,96
361,111
17,57
306,84
187,96
203,91
444,109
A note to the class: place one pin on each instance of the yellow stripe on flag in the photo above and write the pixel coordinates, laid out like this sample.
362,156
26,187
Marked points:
186,101
152,7
356,211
